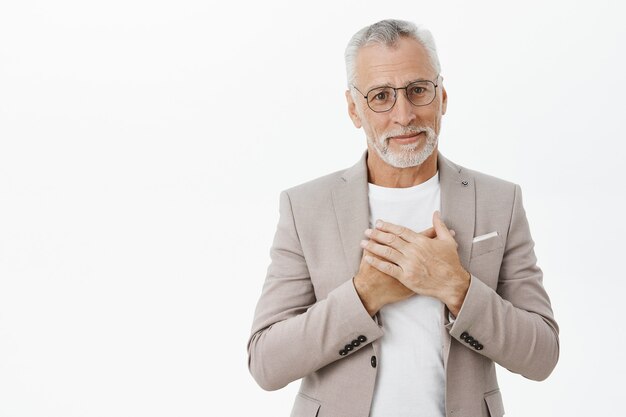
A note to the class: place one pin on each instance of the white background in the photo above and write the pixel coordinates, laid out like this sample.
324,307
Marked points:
143,146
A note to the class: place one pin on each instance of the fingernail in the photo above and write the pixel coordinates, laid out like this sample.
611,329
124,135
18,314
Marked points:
363,243
368,259
379,223
368,232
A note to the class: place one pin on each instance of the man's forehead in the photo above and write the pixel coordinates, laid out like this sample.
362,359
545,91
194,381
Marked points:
403,62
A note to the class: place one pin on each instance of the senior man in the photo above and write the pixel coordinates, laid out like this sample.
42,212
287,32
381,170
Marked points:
395,285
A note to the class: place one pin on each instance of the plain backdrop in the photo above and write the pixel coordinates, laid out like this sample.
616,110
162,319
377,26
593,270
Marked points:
143,146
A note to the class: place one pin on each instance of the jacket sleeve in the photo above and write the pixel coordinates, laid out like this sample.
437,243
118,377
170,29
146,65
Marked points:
514,323
294,333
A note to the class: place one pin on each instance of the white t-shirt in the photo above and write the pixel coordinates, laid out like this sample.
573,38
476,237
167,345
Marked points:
411,379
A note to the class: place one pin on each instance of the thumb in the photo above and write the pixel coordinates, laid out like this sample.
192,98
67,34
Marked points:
440,227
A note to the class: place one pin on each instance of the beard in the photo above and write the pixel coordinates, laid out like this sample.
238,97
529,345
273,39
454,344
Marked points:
409,155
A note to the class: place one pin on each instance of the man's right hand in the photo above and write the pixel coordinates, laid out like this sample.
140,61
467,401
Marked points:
376,288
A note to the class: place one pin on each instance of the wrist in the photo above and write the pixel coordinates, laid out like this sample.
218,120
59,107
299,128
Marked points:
365,295
459,292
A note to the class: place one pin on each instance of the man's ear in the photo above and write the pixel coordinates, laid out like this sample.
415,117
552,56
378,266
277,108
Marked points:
356,120
444,100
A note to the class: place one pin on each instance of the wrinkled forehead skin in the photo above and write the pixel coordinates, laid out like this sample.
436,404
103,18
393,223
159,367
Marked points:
396,65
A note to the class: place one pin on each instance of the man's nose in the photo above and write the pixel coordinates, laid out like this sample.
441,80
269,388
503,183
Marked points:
403,112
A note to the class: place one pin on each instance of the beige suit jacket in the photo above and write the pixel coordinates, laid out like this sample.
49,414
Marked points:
309,309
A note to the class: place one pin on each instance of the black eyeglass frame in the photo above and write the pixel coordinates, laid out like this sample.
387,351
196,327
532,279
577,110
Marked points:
395,94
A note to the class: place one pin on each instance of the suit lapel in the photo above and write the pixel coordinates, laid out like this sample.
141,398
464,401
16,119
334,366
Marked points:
351,205
458,211
458,205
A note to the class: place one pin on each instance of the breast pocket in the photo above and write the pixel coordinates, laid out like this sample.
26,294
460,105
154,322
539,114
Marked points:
305,406
486,243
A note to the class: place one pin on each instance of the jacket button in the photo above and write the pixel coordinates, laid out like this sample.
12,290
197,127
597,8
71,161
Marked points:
343,352
348,348
362,339
464,335
355,343
479,347
469,339
474,343
373,361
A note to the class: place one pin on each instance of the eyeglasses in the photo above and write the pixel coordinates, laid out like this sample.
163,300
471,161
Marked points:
419,93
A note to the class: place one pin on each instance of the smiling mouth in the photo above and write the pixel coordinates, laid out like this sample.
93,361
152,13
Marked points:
404,139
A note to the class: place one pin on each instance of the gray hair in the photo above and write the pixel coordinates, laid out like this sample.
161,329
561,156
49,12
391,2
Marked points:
387,32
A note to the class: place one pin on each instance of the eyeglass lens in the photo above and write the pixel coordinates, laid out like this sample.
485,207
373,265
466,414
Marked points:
420,93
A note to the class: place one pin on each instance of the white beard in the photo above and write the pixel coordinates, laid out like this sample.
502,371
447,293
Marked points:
409,155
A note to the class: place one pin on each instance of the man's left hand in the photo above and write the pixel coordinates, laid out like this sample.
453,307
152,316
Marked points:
426,265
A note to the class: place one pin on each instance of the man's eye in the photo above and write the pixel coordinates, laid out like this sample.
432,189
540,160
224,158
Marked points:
380,96
418,90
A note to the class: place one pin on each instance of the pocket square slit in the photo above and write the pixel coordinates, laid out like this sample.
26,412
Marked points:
484,237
